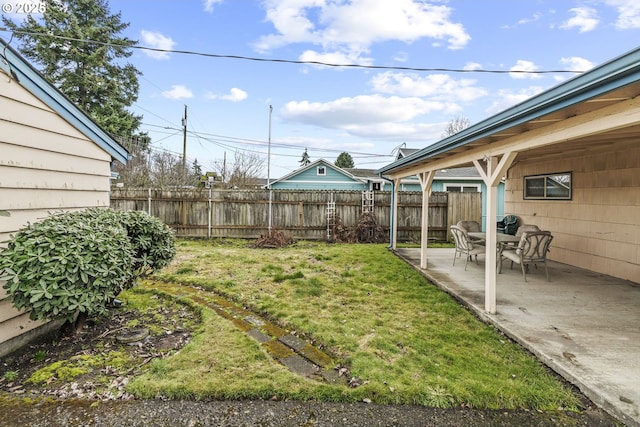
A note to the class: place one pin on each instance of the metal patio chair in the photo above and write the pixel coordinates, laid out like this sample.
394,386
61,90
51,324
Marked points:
464,245
532,249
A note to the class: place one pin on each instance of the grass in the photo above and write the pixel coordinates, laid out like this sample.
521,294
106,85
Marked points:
406,341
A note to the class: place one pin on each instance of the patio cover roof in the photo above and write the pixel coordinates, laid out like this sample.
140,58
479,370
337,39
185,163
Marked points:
604,86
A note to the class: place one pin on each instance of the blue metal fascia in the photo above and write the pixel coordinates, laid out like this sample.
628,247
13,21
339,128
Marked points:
31,79
612,75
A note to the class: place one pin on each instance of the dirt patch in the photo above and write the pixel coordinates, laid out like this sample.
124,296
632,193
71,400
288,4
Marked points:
93,363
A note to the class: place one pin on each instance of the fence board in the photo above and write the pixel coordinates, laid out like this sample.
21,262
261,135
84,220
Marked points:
303,214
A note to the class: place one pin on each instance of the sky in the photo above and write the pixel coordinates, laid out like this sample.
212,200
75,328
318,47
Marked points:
249,72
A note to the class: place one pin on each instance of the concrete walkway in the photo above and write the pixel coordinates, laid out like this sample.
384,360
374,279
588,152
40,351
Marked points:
583,325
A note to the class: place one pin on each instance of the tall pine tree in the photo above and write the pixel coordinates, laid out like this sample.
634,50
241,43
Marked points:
80,50
344,160
305,158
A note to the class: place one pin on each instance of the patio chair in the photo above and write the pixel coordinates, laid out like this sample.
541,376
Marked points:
508,225
464,245
531,249
470,227
524,228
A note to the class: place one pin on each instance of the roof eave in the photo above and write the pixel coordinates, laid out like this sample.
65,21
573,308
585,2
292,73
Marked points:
609,76
36,83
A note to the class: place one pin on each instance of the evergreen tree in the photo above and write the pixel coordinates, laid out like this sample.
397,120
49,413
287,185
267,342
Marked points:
305,158
79,48
344,160
196,170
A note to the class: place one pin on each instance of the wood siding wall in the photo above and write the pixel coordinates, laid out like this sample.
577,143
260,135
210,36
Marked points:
599,229
303,214
46,165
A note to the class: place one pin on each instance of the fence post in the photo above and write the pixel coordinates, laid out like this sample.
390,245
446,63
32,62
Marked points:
149,203
209,216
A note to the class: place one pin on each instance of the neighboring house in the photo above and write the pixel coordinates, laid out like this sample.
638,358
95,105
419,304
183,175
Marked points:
320,175
324,175
54,157
570,161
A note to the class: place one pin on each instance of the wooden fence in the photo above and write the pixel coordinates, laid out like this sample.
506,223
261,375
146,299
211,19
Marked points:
302,214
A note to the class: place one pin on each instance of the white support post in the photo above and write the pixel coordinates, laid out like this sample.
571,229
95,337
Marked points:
492,172
426,180
394,214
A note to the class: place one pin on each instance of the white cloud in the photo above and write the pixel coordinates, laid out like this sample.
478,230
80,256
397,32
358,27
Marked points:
524,21
336,58
472,66
369,115
576,63
628,13
401,56
208,4
438,86
573,63
356,25
178,92
585,19
509,98
235,95
157,41
522,70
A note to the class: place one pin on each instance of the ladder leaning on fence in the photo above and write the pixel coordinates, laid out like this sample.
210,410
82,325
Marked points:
367,201
331,219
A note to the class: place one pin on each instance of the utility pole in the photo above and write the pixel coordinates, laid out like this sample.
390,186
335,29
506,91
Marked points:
184,145
269,170
184,165
224,170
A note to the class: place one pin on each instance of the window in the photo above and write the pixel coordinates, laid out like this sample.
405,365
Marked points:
462,188
376,186
321,170
555,186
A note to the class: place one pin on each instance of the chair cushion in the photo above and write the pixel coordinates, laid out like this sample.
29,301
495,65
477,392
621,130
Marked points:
512,255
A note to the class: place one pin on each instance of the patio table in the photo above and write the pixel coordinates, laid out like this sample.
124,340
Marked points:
500,237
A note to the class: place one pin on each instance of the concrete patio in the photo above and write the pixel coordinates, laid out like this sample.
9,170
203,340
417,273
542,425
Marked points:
583,325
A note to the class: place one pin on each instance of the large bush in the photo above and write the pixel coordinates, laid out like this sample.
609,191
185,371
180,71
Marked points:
153,242
78,262
70,263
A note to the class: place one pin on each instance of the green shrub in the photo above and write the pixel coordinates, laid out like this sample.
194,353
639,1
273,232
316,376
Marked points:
152,240
69,263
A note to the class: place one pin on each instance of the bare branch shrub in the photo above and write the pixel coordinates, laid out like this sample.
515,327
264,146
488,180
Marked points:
274,239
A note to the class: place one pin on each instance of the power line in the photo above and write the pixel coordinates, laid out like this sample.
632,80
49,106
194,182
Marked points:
219,139
300,62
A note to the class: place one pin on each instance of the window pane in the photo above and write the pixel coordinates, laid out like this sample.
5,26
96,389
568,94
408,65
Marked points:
454,189
559,186
534,187
552,186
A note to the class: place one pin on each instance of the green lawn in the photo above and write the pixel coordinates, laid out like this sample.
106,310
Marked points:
406,340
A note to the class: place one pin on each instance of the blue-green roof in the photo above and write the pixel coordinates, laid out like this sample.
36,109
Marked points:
14,65
614,74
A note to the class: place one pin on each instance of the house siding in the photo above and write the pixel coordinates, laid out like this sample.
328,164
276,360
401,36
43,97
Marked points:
310,180
46,165
598,229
